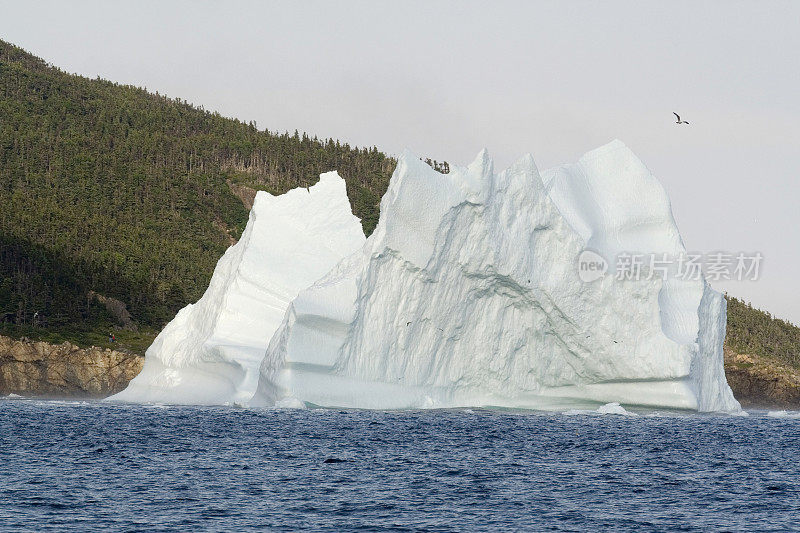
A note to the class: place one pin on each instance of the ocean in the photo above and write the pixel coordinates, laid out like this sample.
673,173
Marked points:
92,466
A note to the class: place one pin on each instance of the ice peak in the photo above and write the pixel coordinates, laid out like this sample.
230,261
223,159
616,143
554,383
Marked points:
328,178
482,165
610,146
526,166
613,159
409,164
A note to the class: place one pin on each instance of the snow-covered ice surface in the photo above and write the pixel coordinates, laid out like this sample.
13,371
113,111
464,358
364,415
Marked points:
211,351
467,294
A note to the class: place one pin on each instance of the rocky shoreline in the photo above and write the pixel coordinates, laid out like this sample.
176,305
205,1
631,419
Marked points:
43,370
759,382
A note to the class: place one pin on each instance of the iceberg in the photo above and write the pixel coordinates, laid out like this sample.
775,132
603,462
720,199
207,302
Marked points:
211,351
468,294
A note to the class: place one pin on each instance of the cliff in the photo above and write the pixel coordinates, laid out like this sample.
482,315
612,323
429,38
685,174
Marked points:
63,371
762,382
762,357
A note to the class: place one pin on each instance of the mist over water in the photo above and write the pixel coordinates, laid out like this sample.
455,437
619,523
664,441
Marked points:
82,466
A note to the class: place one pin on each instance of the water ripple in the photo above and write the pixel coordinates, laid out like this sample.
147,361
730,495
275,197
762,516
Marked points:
87,466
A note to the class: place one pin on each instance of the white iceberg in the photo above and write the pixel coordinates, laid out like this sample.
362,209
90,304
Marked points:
211,351
468,294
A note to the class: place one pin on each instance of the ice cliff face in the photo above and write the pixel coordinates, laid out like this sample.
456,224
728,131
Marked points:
211,351
467,294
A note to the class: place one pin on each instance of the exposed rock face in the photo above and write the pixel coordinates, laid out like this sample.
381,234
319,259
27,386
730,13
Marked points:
246,194
117,308
759,382
63,371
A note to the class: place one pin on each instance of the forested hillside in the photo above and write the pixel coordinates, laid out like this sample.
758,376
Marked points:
108,188
752,331
762,357
112,196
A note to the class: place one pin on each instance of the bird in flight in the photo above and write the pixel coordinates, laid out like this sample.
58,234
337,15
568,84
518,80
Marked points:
679,121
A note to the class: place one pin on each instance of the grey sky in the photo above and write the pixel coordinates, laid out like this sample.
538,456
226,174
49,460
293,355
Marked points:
447,78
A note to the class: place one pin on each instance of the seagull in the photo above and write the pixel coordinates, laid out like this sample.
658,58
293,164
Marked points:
408,324
679,121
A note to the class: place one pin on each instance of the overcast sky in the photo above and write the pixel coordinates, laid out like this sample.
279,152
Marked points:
446,79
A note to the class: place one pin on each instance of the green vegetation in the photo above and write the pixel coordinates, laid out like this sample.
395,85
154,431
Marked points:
752,331
109,188
87,334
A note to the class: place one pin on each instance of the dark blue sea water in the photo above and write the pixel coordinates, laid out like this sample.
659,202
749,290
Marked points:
95,466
